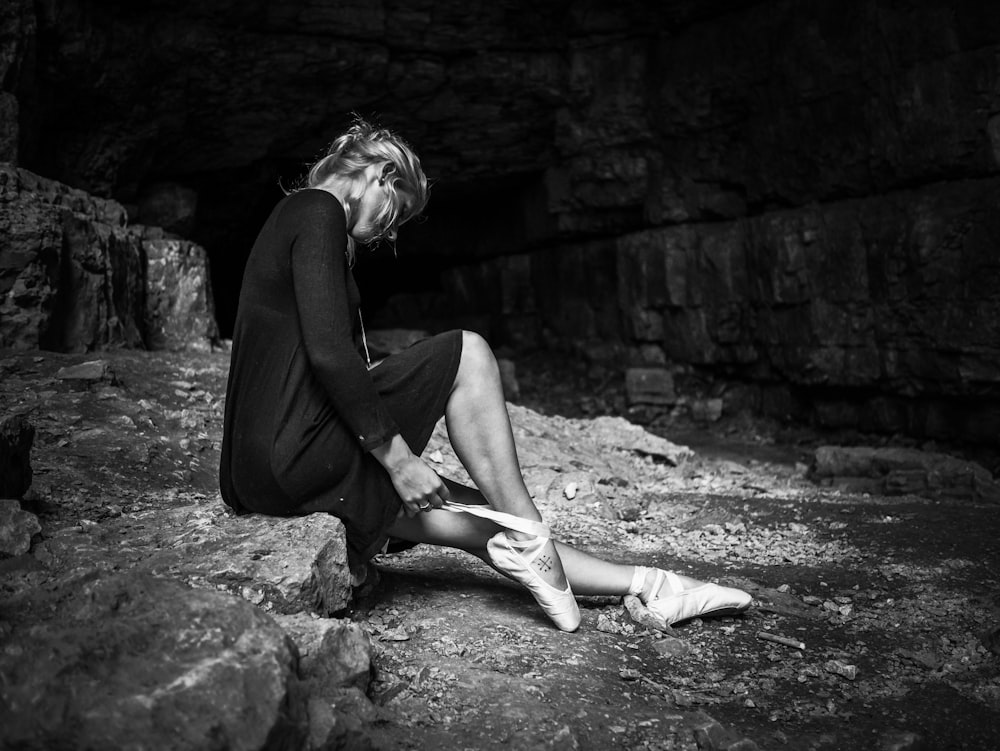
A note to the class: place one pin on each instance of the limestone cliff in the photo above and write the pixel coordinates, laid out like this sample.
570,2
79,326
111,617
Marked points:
797,196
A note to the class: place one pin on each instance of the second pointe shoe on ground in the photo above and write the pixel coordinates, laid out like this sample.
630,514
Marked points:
673,603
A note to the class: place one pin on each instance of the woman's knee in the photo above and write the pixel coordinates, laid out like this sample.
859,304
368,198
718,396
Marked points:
477,356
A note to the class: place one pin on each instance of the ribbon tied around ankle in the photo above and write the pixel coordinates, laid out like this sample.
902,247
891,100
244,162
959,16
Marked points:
516,523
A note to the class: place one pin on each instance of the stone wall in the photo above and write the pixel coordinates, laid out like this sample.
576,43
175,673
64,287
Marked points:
876,313
818,190
74,277
795,195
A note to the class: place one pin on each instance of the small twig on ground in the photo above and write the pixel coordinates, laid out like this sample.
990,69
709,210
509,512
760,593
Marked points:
781,640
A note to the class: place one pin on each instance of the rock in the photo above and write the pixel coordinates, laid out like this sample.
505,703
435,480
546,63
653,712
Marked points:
899,471
95,370
771,600
17,528
340,722
607,625
179,311
282,564
77,278
617,431
901,740
706,410
841,668
134,661
565,740
649,386
16,438
643,616
334,653
72,271
710,735
671,647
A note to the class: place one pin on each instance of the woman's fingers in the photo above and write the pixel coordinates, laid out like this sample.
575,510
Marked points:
420,487
443,493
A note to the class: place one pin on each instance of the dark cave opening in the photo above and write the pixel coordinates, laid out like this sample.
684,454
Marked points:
465,223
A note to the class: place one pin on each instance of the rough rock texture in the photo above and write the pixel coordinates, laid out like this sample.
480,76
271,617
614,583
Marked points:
16,436
283,565
69,271
649,386
74,277
334,654
92,371
899,588
179,311
901,471
795,195
134,661
17,528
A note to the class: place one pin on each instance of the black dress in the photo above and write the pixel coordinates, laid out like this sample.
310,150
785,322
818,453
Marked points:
303,410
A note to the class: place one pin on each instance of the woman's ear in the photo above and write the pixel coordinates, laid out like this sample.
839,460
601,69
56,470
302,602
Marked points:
387,169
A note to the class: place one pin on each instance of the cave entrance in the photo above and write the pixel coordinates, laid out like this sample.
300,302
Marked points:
466,224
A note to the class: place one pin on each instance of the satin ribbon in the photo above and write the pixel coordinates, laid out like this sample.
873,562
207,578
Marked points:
518,524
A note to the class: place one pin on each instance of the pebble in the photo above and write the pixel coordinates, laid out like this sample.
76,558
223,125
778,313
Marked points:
837,667
671,647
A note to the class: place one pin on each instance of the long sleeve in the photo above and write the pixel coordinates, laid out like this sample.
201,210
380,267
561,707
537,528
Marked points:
319,271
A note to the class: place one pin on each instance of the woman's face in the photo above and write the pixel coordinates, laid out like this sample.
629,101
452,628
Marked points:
367,225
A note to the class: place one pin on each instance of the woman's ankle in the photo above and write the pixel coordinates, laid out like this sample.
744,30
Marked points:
513,534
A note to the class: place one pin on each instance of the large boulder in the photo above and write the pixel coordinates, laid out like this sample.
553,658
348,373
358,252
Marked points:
74,277
334,653
284,565
179,312
17,528
134,661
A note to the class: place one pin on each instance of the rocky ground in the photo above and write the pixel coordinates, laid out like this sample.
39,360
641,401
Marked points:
886,607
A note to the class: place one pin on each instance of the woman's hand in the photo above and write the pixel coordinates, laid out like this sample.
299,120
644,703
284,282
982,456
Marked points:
419,486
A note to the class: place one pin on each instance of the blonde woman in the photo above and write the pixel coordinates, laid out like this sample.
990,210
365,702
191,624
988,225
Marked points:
311,425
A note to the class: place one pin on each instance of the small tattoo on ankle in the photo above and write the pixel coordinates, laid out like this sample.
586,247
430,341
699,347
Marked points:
544,563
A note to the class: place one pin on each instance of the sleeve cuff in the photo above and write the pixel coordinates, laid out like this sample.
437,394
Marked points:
373,441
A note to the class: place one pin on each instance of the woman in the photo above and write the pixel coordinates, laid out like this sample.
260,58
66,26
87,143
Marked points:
312,425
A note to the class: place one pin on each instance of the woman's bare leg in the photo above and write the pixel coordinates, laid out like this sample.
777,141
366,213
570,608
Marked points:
480,432
588,575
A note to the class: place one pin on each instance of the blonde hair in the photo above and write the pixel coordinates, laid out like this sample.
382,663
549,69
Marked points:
362,145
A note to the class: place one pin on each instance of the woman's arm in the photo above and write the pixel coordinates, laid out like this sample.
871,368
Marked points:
318,239
319,276
416,483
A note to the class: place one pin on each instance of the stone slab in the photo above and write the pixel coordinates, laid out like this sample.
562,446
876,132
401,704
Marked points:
135,661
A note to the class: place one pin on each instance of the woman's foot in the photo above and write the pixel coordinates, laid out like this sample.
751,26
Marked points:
676,598
534,562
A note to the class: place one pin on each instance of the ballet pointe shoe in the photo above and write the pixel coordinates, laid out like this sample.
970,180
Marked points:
682,604
514,558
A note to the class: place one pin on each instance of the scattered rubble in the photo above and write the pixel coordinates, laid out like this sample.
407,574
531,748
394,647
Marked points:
884,606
